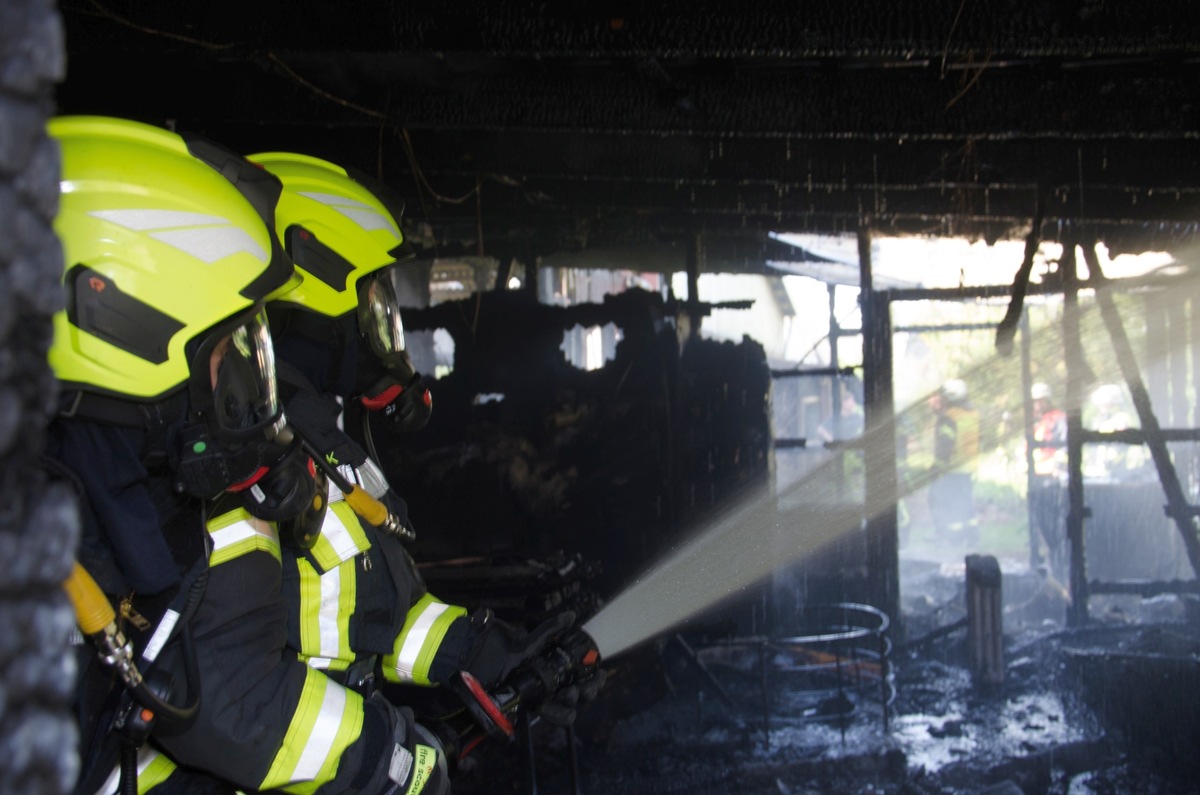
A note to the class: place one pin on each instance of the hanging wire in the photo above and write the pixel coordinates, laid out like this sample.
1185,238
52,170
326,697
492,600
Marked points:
115,17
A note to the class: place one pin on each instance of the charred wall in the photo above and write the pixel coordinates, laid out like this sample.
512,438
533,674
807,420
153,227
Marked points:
612,464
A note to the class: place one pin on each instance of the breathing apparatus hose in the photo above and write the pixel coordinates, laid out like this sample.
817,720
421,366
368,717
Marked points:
359,499
98,621
368,437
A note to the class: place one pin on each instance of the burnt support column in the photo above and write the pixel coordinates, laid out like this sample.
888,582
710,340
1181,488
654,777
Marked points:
985,620
883,537
1035,540
1177,353
1178,508
531,275
835,334
1155,361
1194,340
1077,612
695,254
503,271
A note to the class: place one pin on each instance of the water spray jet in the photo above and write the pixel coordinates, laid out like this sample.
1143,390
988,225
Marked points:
756,532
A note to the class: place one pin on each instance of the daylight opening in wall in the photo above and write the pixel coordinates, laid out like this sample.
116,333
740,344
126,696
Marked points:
483,398
432,351
591,347
443,351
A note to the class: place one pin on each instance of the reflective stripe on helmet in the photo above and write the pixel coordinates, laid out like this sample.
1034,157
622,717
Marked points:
424,630
327,720
208,238
360,213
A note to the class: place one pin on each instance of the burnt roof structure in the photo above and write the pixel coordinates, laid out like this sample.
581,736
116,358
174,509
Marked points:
598,125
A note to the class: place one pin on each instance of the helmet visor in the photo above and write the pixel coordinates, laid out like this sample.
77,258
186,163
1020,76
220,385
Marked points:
242,367
379,314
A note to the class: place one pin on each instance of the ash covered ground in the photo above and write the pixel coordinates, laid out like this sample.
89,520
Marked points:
1113,707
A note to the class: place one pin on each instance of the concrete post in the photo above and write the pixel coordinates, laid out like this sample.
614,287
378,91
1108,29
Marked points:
985,620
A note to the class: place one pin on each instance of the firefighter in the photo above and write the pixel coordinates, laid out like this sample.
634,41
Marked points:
955,455
359,609
170,414
1047,486
166,395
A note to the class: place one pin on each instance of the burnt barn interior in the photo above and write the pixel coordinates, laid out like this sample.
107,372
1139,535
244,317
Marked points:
780,605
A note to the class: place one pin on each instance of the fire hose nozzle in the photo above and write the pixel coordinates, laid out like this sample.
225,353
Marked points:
571,658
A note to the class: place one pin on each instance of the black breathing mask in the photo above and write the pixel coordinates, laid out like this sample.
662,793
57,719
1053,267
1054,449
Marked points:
285,488
234,412
301,530
390,384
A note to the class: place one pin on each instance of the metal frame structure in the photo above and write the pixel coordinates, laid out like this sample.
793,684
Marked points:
1151,433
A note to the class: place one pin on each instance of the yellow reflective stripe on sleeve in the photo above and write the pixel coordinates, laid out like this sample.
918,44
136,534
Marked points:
327,720
424,630
153,769
424,760
342,537
327,601
156,771
238,533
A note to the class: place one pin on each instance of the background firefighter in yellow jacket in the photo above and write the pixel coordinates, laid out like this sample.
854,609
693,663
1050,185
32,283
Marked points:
1048,482
955,458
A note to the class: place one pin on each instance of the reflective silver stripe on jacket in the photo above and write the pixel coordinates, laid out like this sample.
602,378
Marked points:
414,642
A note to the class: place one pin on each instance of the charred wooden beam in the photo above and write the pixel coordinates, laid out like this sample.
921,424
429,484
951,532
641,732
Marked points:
1177,503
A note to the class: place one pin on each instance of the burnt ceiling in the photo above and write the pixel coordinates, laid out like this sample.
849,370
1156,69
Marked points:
594,125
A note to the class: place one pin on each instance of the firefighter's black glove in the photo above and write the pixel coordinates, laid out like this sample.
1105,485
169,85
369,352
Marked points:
499,647
406,405
560,708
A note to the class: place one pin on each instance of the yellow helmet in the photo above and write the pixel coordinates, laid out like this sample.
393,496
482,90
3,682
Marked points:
335,229
167,265
159,247
343,238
